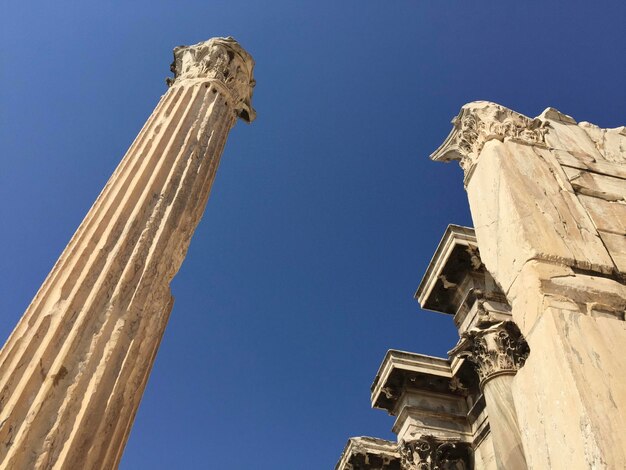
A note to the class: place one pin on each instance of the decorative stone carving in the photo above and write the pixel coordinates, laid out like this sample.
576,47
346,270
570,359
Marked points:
432,453
220,60
482,121
475,260
494,349
456,385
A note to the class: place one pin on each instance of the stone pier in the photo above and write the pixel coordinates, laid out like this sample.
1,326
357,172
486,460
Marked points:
548,200
73,371
538,294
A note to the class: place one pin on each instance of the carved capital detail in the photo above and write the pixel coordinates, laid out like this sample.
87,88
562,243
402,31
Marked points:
494,349
432,453
482,121
222,60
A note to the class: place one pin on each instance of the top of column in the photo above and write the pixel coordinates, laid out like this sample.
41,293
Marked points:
481,121
222,60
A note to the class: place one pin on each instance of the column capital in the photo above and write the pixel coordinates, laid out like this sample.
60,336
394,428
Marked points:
433,453
495,349
220,60
481,121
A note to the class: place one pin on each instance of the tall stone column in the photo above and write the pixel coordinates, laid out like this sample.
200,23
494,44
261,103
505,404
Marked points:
498,351
73,371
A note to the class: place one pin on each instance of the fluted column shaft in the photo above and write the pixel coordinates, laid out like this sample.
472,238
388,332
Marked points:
507,438
73,371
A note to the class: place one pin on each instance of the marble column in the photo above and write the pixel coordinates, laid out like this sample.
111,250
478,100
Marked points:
73,371
498,350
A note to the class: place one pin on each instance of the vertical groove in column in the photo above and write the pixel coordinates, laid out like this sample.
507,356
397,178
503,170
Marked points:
73,370
115,337
39,367
76,238
140,371
48,395
34,309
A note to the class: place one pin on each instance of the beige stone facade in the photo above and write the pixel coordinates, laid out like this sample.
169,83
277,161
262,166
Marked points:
73,371
538,293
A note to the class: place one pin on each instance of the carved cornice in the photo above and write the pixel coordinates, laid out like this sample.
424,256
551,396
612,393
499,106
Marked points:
494,349
401,371
221,60
432,453
481,121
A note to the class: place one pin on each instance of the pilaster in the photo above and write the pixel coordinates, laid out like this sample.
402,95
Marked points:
548,202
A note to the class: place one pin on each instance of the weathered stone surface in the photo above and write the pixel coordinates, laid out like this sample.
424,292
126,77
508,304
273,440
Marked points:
549,217
73,371
586,162
518,220
616,245
611,143
567,135
505,156
548,199
596,185
609,216
570,397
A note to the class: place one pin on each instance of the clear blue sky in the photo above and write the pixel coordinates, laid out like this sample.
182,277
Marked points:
325,211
